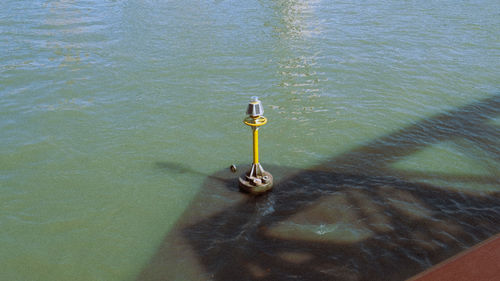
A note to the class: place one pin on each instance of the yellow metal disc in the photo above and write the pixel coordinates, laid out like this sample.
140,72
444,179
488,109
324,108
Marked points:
255,122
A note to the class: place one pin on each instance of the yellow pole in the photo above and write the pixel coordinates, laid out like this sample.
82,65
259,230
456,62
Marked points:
255,145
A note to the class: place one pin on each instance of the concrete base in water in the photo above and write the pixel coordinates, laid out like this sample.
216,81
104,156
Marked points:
254,185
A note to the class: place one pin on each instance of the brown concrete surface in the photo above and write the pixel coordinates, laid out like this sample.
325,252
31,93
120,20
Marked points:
480,263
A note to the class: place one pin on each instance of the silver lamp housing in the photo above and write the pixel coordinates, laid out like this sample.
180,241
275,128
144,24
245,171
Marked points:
255,108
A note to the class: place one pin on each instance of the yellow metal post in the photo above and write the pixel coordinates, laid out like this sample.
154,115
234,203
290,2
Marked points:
257,180
255,145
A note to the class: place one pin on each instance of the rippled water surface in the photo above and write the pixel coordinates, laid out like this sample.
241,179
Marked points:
119,120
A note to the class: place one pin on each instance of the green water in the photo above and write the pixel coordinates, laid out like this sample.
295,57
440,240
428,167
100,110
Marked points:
96,95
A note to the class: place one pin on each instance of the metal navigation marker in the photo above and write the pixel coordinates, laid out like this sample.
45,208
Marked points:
257,180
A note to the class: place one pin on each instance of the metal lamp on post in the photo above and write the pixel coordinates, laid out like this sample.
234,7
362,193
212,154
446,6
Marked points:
257,180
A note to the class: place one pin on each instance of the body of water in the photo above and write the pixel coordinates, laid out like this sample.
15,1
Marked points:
119,120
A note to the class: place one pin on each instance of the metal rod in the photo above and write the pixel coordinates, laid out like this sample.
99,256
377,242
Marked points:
255,145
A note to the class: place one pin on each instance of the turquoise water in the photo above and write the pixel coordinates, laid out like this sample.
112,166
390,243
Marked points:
114,113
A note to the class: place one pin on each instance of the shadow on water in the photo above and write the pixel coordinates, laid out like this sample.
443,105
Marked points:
352,218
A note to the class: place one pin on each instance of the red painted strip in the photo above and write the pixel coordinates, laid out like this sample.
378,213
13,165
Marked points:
480,263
